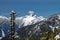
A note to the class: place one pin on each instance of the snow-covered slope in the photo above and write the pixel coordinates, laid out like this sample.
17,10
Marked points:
28,20
4,22
54,21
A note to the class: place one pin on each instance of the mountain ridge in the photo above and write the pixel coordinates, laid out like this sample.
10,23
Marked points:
51,22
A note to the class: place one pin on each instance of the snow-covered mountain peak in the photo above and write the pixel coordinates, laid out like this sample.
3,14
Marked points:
29,19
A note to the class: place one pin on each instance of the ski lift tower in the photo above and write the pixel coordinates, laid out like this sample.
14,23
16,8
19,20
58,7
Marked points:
12,25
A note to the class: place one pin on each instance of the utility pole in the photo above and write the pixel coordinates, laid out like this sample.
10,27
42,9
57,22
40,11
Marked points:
12,26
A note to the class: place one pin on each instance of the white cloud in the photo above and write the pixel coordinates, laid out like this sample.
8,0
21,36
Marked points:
31,13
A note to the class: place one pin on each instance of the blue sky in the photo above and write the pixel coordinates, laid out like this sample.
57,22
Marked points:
21,7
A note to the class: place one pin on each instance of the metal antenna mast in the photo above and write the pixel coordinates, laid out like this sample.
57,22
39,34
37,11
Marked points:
12,25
